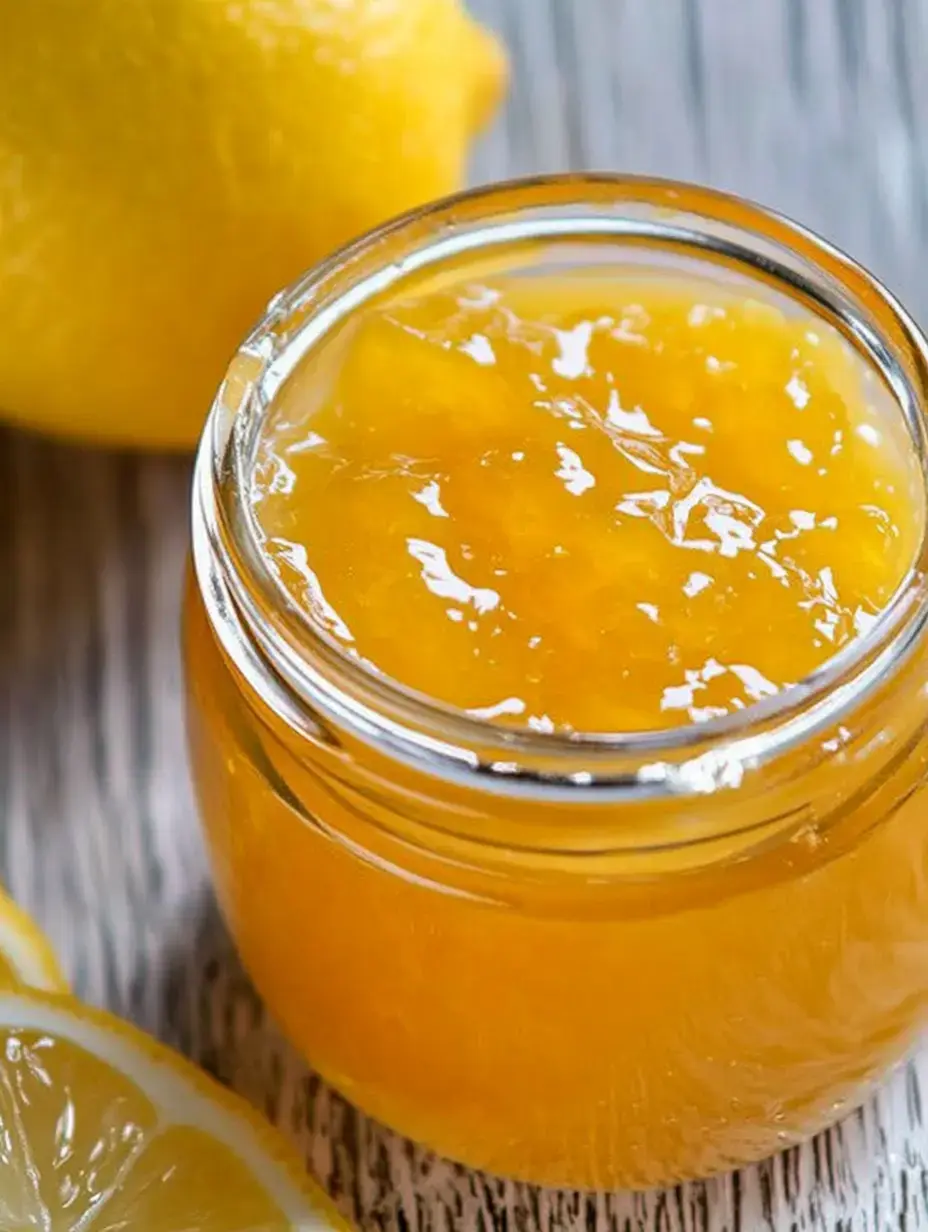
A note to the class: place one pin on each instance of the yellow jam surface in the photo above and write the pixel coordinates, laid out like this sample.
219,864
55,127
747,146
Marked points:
588,502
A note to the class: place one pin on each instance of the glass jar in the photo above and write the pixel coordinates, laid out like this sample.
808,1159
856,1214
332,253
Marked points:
617,960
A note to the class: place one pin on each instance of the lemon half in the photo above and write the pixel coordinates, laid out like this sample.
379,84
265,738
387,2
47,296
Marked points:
26,957
102,1128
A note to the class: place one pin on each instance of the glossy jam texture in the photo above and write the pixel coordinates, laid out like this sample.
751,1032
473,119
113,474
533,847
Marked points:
590,501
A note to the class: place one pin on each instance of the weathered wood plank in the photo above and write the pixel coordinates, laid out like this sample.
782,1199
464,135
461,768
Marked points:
819,107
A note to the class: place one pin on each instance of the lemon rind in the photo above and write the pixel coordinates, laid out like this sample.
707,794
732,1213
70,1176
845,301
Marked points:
27,950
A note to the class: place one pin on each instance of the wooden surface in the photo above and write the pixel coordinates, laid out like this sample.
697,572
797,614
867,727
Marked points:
818,107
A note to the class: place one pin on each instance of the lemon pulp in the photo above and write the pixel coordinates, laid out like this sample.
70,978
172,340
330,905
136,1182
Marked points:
105,1128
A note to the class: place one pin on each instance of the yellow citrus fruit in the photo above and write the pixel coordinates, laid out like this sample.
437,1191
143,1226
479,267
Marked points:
26,957
165,167
105,1128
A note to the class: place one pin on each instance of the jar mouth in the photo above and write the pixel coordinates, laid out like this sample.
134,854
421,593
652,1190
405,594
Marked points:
310,680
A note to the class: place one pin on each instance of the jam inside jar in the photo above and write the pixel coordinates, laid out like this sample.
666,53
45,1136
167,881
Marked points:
557,677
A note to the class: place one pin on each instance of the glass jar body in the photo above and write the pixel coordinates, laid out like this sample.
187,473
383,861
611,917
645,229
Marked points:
593,961
583,1030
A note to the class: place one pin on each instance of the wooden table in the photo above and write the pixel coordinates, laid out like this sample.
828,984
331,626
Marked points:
818,107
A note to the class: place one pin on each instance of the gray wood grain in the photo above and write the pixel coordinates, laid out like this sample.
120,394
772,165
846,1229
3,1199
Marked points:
817,107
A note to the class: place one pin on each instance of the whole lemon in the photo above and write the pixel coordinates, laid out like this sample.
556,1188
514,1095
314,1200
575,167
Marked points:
166,165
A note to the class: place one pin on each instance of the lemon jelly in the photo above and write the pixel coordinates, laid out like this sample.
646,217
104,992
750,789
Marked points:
558,723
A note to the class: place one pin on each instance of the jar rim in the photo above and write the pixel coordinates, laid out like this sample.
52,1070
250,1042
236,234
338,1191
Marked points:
308,678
